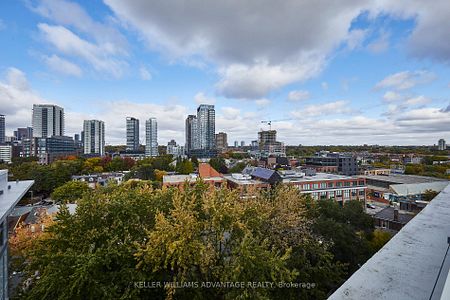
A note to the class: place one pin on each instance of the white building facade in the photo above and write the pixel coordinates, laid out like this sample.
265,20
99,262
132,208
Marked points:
48,120
151,137
5,153
94,137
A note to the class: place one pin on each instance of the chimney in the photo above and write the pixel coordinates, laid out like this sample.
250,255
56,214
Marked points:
396,212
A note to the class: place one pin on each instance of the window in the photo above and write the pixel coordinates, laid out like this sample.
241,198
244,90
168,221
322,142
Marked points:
316,186
338,193
323,195
361,182
347,183
338,184
346,194
323,185
361,192
306,187
330,184
355,183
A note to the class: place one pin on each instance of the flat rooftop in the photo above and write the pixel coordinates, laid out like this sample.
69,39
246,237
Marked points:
301,177
178,178
189,178
402,179
246,181
408,266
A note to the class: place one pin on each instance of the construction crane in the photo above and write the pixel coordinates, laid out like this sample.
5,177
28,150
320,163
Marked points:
269,122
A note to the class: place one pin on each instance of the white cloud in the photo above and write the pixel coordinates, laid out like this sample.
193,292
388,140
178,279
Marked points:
406,80
324,85
418,100
230,113
253,56
67,42
381,44
416,126
425,120
145,73
71,14
16,79
262,102
201,98
72,32
17,99
62,65
252,82
429,37
391,96
356,38
170,119
330,108
298,95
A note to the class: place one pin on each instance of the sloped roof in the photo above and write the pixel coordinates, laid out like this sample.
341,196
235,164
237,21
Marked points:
206,171
20,211
262,173
388,214
418,188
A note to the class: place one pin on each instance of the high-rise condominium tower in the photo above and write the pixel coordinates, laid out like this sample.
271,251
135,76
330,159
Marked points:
132,134
221,141
2,129
48,120
191,133
200,132
94,137
151,137
206,118
442,145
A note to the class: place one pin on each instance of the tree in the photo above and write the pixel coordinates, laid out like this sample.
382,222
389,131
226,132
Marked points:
159,175
218,163
347,228
70,192
132,233
379,239
184,167
429,195
194,161
237,168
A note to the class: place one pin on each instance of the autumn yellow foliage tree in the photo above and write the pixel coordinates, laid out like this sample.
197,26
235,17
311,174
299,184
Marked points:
133,233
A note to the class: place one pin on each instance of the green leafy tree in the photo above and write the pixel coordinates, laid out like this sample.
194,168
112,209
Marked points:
429,195
70,192
194,160
128,233
379,239
184,167
347,228
218,163
237,168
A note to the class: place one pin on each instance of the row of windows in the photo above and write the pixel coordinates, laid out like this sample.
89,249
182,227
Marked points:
339,194
325,185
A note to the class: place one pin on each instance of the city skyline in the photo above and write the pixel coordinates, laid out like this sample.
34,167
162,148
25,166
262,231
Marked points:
366,73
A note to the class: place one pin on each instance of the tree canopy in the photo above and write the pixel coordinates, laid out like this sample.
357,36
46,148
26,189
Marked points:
132,233
70,192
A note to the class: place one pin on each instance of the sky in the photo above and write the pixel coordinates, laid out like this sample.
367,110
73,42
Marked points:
344,72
